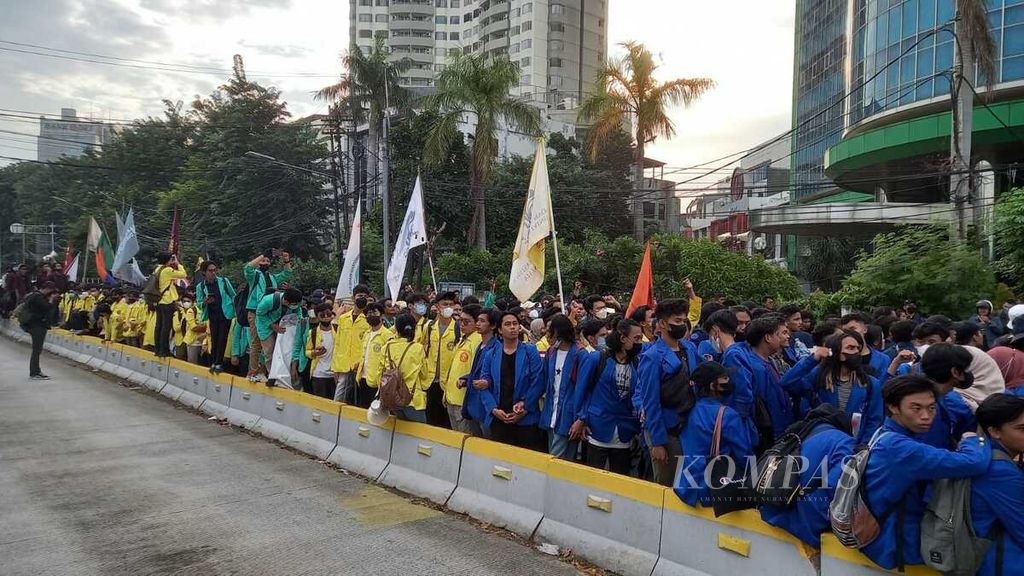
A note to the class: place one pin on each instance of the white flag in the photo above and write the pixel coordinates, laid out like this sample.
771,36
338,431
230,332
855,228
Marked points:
350,270
120,228
92,243
413,234
127,248
527,274
134,275
72,271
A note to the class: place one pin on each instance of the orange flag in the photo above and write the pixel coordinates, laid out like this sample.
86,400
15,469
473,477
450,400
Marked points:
643,292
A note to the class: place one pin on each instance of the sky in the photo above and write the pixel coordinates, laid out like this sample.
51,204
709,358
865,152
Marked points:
745,46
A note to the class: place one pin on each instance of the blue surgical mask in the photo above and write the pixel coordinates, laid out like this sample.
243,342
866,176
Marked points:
420,309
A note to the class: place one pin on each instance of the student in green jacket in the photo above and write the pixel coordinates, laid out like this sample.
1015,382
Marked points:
261,282
269,312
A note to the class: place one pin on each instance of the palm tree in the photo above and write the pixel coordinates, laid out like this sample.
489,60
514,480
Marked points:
474,88
369,88
627,91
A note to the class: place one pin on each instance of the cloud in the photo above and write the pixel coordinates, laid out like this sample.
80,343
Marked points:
208,10
280,50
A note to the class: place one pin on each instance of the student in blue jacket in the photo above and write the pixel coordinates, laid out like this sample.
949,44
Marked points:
713,386
877,361
825,451
948,366
561,371
901,465
216,299
514,380
835,375
473,406
663,383
721,331
605,385
997,496
757,382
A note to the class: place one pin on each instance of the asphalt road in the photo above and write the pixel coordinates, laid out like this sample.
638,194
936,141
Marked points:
100,479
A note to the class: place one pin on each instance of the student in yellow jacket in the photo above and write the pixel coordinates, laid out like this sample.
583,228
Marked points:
407,354
370,367
135,320
184,320
319,348
351,327
118,317
149,328
457,376
440,336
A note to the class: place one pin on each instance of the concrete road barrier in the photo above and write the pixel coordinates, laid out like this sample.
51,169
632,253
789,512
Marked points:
305,422
424,460
93,352
218,395
693,541
135,364
362,447
502,485
246,403
157,374
838,560
186,383
611,520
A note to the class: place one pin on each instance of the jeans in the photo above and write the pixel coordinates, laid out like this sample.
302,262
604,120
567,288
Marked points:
561,447
323,387
345,388
665,473
460,424
437,415
38,333
194,351
529,437
412,415
164,323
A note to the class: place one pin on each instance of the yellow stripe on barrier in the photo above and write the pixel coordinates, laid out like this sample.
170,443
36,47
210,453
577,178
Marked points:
518,456
632,488
302,398
359,415
830,546
744,519
441,436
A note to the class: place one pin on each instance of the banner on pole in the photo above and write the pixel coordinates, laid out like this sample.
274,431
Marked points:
537,224
412,235
350,269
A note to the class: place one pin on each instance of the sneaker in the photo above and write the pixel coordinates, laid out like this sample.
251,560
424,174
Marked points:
39,377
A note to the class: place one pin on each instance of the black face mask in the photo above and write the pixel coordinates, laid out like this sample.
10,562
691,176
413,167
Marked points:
325,323
853,362
374,321
360,302
966,383
264,267
741,337
677,331
727,388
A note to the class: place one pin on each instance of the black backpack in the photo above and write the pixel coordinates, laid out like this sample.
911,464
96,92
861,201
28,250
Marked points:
241,302
779,468
677,393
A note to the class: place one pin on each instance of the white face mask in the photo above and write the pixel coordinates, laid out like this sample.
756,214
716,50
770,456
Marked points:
186,305
534,314
447,312
922,349
716,344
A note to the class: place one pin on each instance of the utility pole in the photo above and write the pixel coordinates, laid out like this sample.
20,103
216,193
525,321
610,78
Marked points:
386,182
332,131
960,180
53,235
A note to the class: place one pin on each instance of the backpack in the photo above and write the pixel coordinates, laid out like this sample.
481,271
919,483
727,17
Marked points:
426,339
677,394
22,313
778,479
151,288
853,523
393,392
241,307
948,541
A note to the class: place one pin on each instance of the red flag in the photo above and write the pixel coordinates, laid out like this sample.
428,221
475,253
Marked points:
643,292
68,259
175,245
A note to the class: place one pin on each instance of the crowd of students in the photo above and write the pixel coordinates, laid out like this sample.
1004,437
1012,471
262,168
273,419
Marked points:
660,393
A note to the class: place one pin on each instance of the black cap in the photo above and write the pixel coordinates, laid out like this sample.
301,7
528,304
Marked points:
708,372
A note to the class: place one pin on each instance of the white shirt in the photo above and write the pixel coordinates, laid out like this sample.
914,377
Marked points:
560,357
323,363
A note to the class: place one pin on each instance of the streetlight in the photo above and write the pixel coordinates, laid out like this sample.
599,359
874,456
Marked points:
334,185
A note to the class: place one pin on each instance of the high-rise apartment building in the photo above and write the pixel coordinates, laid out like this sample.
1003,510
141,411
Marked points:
69,136
560,45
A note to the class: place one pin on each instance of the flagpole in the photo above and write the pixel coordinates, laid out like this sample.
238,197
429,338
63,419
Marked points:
554,243
430,260
85,269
